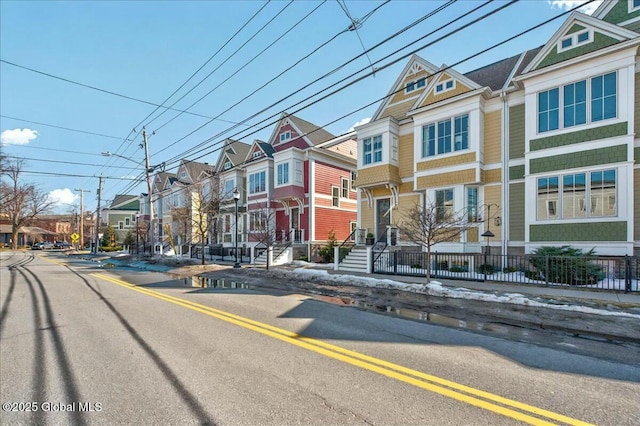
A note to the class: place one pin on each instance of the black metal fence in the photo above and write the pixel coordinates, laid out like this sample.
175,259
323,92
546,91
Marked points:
593,272
218,252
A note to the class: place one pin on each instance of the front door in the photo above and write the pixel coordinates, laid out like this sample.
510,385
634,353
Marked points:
295,224
383,216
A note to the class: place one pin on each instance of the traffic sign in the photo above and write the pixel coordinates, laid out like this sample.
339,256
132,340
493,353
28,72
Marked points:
75,237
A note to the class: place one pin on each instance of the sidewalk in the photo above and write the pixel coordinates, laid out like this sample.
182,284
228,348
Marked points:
559,292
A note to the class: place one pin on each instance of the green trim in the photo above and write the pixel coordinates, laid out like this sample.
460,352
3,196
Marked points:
516,131
516,172
591,134
600,41
592,157
516,212
587,231
620,13
636,155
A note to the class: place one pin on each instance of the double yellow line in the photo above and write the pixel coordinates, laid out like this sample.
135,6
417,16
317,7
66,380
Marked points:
466,394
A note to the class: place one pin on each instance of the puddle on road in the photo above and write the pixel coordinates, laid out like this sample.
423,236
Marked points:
204,282
439,319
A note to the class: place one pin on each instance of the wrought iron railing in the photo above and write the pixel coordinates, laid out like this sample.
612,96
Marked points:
347,245
590,272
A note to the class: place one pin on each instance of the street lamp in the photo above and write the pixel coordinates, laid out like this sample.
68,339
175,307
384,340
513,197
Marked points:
236,198
488,234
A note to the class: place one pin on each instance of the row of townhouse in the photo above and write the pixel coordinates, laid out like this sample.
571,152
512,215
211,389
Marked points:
298,187
541,148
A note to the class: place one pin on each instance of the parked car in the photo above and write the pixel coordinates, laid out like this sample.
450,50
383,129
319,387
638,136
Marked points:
46,245
61,245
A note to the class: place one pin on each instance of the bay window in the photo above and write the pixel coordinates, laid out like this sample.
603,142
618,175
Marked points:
583,195
257,182
283,173
372,149
437,137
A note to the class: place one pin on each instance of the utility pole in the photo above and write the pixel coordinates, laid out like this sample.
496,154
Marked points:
82,191
148,172
97,241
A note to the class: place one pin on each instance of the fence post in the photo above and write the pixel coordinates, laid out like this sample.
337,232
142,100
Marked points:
336,258
484,265
627,273
395,263
546,270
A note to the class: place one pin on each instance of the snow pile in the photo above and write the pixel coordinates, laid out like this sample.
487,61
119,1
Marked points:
435,288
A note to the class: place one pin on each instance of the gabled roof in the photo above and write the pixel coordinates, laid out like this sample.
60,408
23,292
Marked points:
234,151
315,134
195,170
463,85
413,66
311,133
495,75
125,202
264,148
607,34
161,179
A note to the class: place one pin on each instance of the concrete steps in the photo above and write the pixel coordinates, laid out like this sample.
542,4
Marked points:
355,261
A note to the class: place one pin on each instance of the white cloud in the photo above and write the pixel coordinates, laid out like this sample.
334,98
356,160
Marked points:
17,136
570,4
62,198
358,123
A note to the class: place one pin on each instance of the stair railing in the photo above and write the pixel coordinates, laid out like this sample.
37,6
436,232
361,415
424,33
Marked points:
347,245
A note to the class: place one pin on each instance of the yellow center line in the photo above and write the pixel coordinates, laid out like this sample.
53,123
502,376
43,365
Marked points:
416,378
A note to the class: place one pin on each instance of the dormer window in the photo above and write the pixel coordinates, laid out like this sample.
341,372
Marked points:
183,174
285,136
445,85
257,154
413,85
574,40
227,165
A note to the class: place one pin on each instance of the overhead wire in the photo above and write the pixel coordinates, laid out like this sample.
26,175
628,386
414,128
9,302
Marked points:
327,74
247,63
432,13
61,127
225,61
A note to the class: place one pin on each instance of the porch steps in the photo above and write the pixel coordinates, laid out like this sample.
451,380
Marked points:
355,261
281,259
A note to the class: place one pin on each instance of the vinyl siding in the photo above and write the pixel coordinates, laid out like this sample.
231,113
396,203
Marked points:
405,155
446,161
405,204
433,98
492,137
335,220
402,96
327,176
516,131
492,195
516,212
451,178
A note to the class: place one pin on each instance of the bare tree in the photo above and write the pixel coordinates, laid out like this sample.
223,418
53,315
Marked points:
262,225
430,224
21,202
196,216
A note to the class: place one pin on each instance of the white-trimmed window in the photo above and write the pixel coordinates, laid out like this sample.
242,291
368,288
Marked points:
443,86
229,186
582,102
183,174
335,196
472,204
372,148
354,176
283,173
258,220
634,5
285,136
577,195
227,165
257,154
437,140
120,225
414,85
257,182
574,40
444,205
345,187
127,221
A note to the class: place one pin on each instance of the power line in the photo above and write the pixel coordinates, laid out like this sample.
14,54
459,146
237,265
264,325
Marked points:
432,13
396,34
60,127
104,90
33,172
65,162
57,150
203,65
218,67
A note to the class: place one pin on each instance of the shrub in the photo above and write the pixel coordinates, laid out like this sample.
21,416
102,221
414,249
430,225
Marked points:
416,266
303,258
326,252
566,265
509,269
532,275
109,249
486,269
458,268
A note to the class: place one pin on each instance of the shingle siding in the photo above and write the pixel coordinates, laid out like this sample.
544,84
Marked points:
516,131
516,212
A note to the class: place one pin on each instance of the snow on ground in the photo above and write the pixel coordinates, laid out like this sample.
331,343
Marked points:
435,288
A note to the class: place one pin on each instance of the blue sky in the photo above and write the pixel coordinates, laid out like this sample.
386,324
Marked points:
147,49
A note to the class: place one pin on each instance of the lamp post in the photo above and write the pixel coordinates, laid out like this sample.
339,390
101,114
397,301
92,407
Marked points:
488,235
236,198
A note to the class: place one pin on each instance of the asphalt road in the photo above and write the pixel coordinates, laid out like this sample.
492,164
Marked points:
83,345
